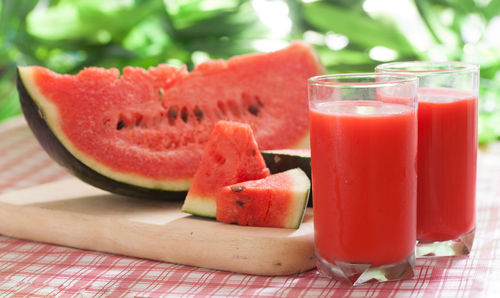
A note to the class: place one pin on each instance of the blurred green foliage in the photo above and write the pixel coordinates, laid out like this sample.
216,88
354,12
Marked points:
67,35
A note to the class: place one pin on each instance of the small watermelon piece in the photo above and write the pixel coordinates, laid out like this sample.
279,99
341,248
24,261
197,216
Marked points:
276,201
231,155
142,132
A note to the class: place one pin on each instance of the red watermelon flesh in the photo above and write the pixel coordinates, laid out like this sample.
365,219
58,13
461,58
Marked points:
148,127
231,155
277,201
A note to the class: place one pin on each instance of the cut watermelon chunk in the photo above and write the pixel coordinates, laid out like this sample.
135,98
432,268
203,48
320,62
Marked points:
231,155
275,201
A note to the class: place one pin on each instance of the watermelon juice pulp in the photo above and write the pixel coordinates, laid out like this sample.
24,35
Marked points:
447,154
363,160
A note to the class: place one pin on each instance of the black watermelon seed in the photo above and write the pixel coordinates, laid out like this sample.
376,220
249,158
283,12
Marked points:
172,113
184,114
241,203
198,113
253,110
259,102
254,152
120,125
236,188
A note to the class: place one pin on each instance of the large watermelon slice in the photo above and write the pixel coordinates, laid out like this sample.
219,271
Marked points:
231,155
276,201
142,133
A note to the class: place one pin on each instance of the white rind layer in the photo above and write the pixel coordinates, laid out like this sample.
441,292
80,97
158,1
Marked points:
300,195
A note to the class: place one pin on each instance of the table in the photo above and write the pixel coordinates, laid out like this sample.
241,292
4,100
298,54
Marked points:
38,269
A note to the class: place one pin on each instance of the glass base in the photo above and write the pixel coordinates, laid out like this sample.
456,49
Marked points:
358,274
457,247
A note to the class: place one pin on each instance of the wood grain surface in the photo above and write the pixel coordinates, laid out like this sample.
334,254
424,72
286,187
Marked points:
72,213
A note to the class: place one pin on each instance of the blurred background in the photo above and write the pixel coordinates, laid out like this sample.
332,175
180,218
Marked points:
349,35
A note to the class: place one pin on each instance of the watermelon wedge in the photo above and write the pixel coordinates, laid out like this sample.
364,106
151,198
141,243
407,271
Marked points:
277,201
142,132
231,155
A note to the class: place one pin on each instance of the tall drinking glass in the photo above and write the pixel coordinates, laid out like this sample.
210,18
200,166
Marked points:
447,154
364,176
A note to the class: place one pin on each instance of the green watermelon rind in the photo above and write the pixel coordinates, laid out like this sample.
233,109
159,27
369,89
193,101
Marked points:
43,118
281,160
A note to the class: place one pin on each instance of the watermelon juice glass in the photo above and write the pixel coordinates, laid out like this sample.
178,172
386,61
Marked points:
447,154
363,161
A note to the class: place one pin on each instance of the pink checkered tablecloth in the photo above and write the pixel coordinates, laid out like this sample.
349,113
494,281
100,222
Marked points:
37,269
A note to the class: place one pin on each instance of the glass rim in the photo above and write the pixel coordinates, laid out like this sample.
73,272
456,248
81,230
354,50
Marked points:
399,79
448,67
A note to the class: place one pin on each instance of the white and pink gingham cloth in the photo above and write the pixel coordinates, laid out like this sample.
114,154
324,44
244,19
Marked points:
38,270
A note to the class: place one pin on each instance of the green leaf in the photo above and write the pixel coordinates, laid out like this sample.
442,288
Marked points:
87,20
190,12
332,58
9,104
357,26
492,9
431,15
488,128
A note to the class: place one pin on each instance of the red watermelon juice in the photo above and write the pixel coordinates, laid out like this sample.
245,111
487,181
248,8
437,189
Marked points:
363,160
447,154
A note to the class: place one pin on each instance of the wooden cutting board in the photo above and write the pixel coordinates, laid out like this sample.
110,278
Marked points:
72,213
